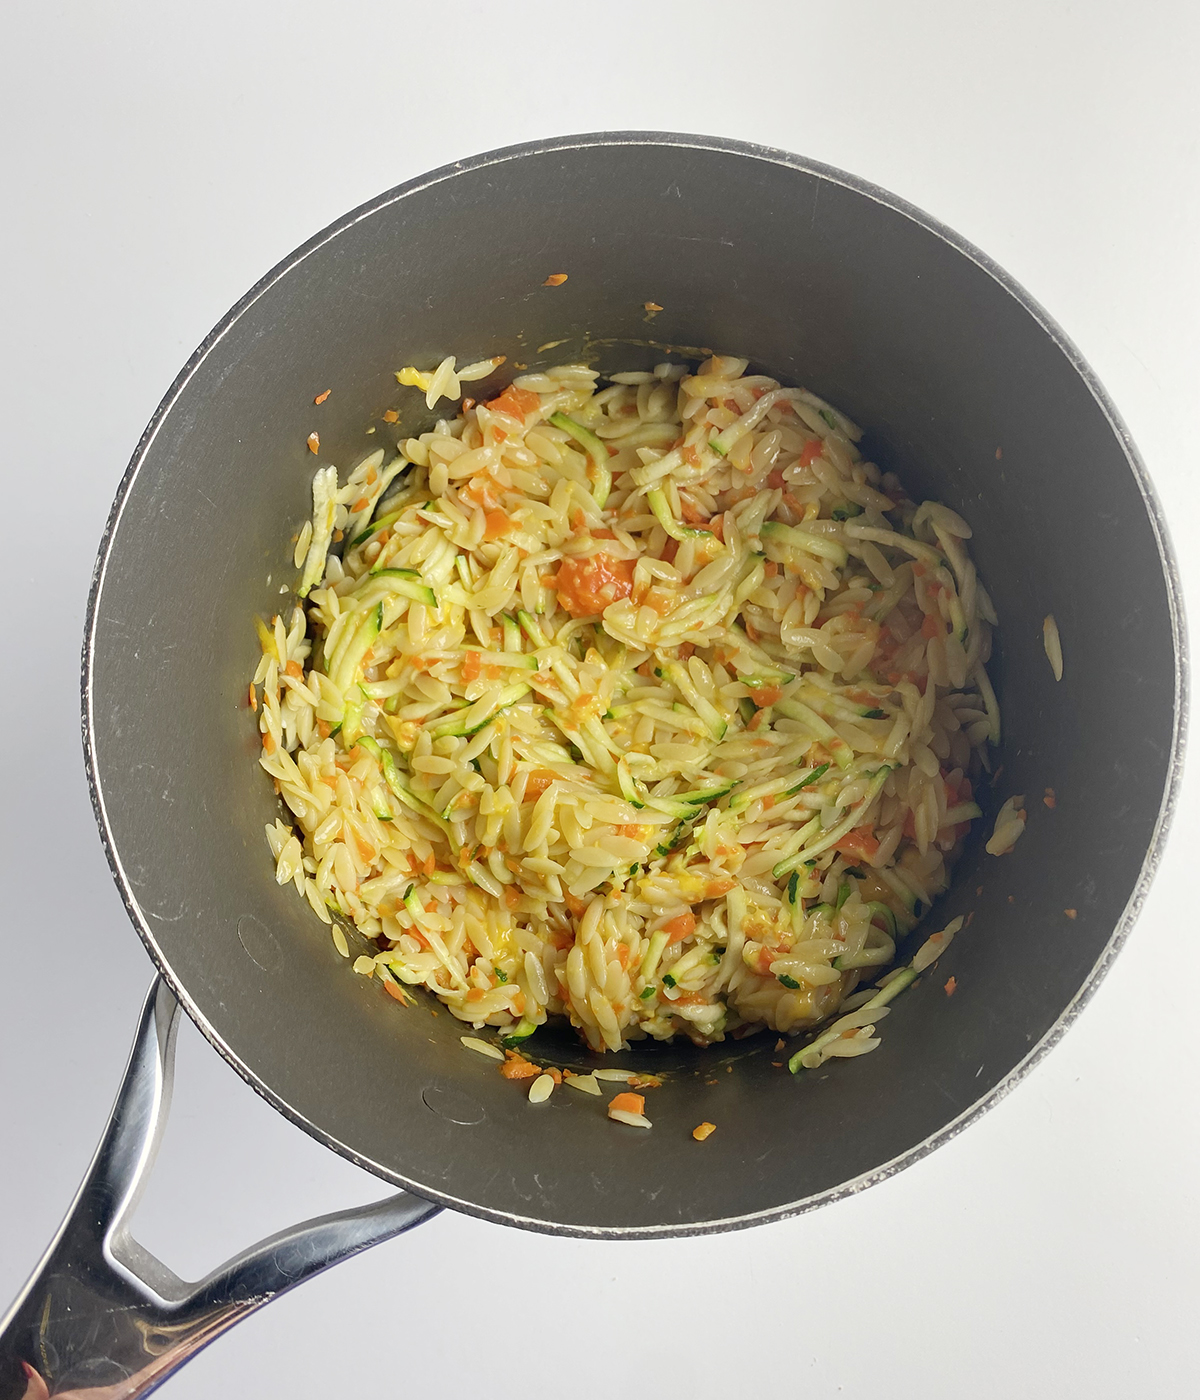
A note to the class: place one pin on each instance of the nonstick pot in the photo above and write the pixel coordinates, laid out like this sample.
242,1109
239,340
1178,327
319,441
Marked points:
965,388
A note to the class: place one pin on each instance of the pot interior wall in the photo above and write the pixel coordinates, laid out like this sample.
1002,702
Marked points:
960,390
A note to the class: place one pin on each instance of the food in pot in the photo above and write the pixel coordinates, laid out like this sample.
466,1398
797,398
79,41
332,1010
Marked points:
644,701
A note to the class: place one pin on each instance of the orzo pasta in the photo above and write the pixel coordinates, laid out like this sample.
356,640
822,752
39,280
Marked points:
646,702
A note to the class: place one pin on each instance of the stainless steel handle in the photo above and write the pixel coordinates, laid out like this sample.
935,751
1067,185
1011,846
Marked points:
102,1318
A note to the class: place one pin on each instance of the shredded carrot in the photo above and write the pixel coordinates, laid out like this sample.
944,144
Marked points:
537,782
294,668
470,666
628,1103
391,416
496,524
714,889
556,279
858,844
765,695
951,986
575,905
314,442
679,927
518,1067
932,626
517,403
253,697
322,397
811,451
394,991
703,1130
586,586
268,742
361,504
768,802
475,994
690,511
512,896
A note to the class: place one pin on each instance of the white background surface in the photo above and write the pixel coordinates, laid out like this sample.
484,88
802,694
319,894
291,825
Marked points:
158,159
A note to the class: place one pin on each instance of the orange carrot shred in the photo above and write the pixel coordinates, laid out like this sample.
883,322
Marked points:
537,782
556,279
628,1103
679,927
495,524
518,1067
253,697
516,403
703,1130
322,397
314,442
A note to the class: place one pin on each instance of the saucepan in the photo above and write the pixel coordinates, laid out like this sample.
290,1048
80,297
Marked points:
671,245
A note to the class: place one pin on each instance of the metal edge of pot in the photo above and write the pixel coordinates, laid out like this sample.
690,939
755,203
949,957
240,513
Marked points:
1166,557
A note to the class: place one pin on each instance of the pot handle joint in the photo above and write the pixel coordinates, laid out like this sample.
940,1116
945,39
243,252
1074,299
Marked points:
102,1318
